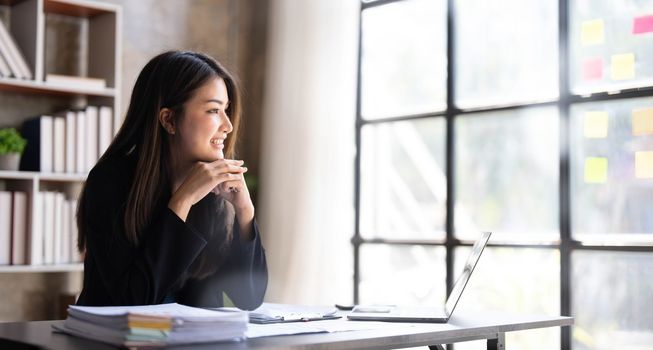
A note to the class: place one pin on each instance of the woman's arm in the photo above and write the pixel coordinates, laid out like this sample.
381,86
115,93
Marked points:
245,273
131,275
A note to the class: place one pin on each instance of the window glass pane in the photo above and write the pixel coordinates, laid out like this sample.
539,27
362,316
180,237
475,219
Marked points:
507,174
403,58
406,275
506,52
611,45
403,179
611,300
514,280
612,170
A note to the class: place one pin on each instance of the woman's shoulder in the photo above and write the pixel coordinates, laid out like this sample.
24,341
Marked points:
114,170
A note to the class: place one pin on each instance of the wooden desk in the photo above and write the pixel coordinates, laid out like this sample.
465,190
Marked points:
462,327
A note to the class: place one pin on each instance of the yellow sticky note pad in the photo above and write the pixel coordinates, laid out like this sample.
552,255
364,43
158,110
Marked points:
596,170
596,124
643,121
592,32
623,66
644,165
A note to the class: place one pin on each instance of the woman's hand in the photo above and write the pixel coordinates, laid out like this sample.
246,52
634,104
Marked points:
206,177
236,192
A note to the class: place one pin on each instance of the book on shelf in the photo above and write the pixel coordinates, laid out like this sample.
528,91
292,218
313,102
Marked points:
54,237
91,137
69,142
38,153
59,145
35,241
80,141
19,228
71,146
5,227
105,129
47,223
153,325
13,227
74,254
13,56
66,232
75,81
59,200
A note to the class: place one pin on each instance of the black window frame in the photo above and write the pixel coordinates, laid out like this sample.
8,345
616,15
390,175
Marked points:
566,99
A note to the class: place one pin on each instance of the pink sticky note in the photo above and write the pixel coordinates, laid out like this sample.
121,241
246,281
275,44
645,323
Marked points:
643,24
593,69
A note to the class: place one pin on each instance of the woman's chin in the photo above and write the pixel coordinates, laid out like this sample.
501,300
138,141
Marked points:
214,156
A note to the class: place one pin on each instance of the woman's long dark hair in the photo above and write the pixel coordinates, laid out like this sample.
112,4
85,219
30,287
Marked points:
169,80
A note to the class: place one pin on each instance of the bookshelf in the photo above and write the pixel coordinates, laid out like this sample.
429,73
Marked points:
42,31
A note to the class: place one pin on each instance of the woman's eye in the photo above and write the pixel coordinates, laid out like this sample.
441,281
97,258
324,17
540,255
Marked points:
214,111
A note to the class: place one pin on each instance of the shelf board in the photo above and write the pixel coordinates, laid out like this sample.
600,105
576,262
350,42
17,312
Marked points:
77,8
42,268
31,86
10,2
35,175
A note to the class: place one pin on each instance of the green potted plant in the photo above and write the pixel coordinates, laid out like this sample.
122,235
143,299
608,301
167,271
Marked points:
12,146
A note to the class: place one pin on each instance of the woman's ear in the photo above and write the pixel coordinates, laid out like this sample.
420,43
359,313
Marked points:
166,118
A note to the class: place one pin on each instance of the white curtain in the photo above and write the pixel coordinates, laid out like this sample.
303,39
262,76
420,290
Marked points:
305,208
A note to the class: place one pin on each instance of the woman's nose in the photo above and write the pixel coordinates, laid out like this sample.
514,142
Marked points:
226,123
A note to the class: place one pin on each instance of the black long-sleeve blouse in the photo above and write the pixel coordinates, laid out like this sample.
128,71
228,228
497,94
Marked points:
117,272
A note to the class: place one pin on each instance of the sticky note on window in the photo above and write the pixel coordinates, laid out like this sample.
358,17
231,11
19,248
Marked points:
643,121
592,32
644,165
596,170
643,24
593,69
623,66
596,124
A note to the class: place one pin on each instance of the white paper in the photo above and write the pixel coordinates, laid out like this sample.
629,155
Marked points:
327,326
174,310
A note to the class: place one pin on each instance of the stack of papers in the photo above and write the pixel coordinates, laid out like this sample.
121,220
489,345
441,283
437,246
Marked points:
280,313
154,325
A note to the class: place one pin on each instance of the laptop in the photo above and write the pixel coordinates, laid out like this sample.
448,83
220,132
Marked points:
420,313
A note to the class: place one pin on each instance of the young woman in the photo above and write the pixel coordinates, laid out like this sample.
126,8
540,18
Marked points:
165,215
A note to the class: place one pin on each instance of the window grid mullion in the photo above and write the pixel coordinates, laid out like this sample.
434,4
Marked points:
564,177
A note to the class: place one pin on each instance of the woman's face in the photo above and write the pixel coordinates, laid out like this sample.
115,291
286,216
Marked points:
204,126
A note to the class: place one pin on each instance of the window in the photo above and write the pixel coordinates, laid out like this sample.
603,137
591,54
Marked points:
404,61
418,274
611,181
530,119
610,45
505,159
403,187
498,43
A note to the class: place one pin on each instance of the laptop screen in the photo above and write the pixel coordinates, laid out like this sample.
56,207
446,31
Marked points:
461,282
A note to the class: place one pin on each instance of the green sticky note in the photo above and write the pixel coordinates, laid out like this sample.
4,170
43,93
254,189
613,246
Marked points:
596,170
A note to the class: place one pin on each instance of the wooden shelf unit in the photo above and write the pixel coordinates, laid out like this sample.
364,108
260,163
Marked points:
26,22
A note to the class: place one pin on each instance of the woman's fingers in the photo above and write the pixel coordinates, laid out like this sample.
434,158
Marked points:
232,186
227,166
224,177
221,163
